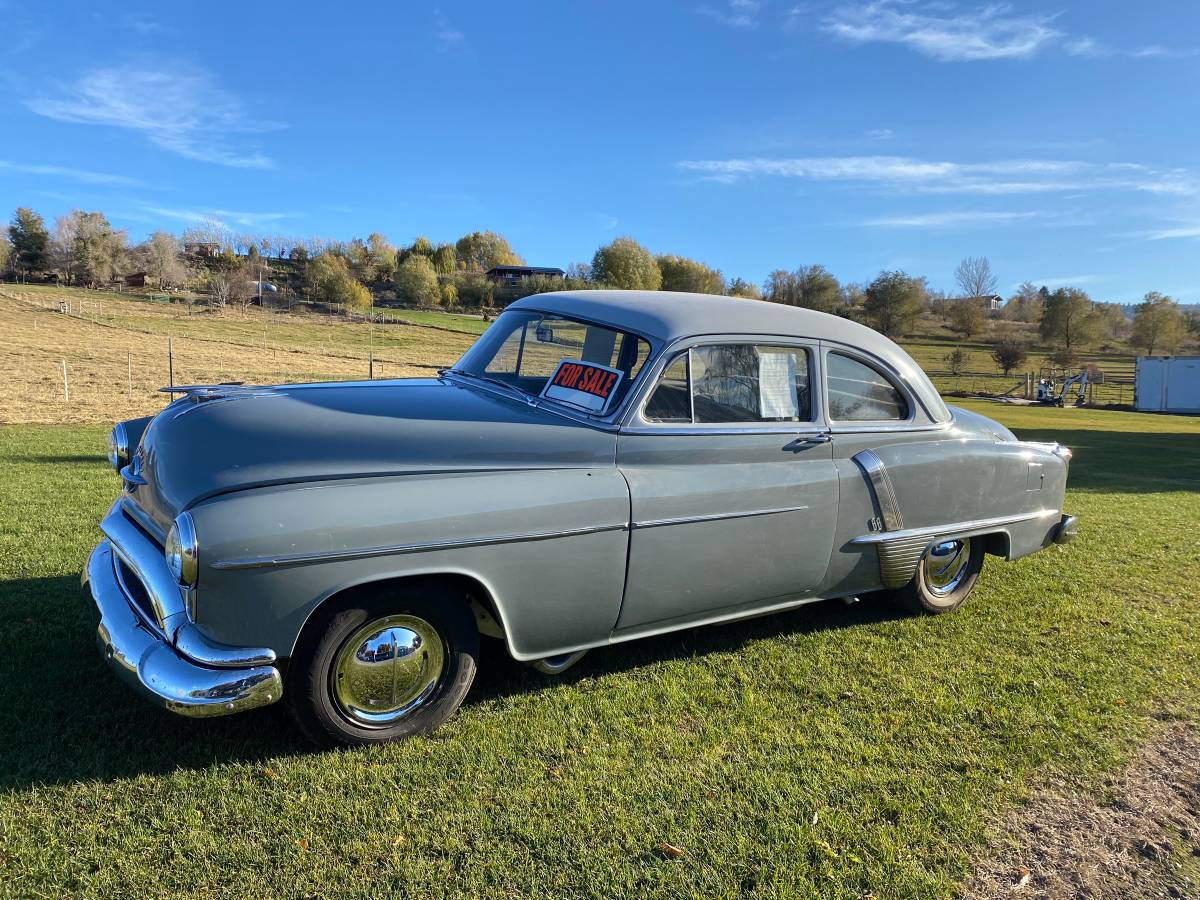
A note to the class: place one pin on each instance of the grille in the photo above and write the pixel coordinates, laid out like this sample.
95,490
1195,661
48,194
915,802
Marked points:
136,591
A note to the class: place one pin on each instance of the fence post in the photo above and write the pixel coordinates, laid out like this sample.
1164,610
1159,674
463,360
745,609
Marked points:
370,366
170,364
66,386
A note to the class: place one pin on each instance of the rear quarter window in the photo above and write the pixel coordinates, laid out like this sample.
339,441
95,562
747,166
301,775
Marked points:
860,393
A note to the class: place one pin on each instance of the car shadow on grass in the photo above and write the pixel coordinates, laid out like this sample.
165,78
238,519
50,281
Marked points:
64,717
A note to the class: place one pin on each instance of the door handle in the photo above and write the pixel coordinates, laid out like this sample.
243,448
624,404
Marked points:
808,440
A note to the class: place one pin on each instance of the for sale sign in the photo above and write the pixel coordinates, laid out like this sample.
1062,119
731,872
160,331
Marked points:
583,384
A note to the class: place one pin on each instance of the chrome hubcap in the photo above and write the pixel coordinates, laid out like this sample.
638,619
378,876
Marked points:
946,566
554,665
387,669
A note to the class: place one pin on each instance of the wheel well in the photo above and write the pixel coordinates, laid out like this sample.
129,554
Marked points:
473,592
996,544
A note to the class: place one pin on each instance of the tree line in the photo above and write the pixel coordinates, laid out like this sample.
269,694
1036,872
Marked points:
82,248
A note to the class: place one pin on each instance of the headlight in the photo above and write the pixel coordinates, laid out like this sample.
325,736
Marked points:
182,550
118,447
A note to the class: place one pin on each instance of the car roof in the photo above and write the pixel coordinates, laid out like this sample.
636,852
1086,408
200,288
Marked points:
666,316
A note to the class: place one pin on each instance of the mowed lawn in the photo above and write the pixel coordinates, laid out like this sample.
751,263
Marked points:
834,751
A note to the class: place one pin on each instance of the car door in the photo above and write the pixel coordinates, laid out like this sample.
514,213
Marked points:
733,488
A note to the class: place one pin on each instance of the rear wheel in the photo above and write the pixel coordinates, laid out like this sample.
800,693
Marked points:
385,667
945,577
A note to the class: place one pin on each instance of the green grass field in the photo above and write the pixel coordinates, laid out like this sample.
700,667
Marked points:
833,751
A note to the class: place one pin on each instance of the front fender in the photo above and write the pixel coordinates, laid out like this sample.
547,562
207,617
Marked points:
548,545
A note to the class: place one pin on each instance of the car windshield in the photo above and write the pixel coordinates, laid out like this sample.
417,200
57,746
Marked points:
523,349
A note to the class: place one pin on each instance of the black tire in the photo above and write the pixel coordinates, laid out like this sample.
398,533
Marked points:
923,597
316,704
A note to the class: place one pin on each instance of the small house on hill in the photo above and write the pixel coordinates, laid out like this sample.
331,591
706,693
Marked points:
136,279
515,274
202,248
990,302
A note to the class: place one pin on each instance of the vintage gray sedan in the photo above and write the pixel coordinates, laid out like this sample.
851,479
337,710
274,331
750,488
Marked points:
599,466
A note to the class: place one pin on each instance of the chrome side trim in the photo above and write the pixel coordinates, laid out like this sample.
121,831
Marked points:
900,551
881,487
796,429
292,559
716,517
953,529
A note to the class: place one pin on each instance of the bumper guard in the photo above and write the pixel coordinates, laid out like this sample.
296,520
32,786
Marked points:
155,669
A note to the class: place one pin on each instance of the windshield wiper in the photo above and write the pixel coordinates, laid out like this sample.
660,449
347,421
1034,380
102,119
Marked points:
525,395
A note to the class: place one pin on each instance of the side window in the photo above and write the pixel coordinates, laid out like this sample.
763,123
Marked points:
732,383
858,393
669,402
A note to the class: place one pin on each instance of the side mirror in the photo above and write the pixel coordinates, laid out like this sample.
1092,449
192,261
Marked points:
545,334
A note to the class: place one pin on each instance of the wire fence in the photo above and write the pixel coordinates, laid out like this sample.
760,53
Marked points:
112,376
1103,389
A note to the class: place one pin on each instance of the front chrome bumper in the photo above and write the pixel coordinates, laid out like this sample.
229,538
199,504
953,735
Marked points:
144,659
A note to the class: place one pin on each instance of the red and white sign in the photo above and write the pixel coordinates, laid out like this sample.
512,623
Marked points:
584,384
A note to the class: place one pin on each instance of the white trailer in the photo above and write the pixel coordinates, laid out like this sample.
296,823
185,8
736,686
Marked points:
1167,384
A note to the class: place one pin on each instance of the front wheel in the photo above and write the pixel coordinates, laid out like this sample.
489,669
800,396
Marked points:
386,667
945,577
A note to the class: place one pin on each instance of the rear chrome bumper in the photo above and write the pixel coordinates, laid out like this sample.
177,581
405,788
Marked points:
1067,530
141,656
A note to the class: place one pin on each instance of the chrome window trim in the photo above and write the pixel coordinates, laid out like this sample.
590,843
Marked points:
716,517
906,383
953,529
815,424
884,427
293,559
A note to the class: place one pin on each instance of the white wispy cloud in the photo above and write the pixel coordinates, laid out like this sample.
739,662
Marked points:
949,32
178,109
954,219
1176,233
880,134
937,30
734,13
448,37
1063,281
143,25
995,177
226,217
81,175
1088,46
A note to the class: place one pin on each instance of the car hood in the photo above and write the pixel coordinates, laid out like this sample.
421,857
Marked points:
232,438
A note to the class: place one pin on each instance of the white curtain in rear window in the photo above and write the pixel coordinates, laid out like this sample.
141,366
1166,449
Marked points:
777,385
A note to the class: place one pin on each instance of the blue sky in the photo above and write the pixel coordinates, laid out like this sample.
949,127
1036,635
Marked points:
1061,141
